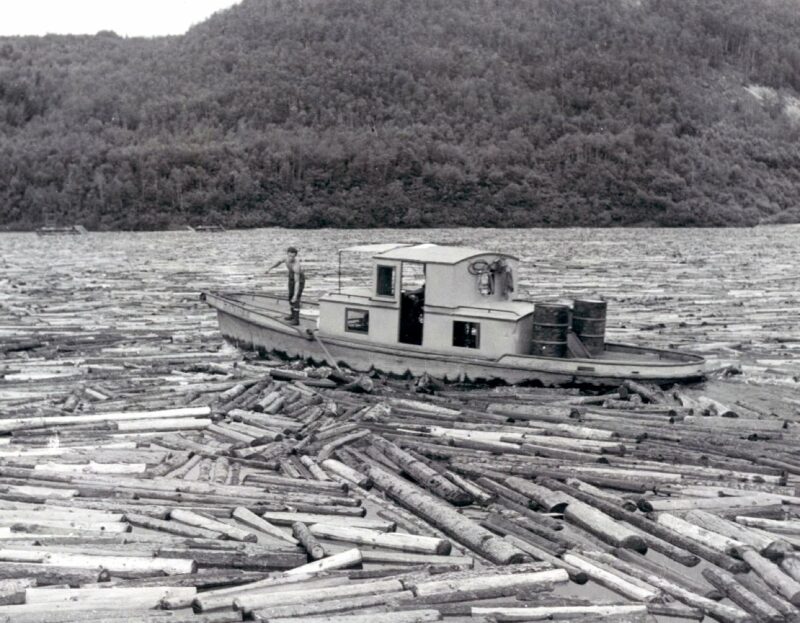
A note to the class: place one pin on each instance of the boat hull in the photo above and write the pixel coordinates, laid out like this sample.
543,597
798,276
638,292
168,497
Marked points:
264,330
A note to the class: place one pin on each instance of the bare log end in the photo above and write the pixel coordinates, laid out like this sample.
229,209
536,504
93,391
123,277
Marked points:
444,548
776,550
502,553
714,594
636,543
461,498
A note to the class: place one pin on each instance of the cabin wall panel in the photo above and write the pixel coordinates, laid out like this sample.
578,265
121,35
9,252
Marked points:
452,285
383,321
497,337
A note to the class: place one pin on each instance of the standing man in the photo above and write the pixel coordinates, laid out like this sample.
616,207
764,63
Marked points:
297,281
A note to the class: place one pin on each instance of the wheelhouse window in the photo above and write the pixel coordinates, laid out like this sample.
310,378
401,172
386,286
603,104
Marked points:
466,334
385,281
356,320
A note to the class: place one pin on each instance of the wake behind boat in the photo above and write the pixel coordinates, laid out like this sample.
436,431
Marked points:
448,312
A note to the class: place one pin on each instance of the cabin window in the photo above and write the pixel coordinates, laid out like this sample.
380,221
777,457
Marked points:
385,281
356,320
466,334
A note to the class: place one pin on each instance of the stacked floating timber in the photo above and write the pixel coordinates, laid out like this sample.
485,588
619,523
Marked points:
150,473
280,495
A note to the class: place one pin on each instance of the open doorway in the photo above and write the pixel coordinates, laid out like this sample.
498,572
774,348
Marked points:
412,303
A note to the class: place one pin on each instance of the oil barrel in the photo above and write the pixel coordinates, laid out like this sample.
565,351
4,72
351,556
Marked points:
589,324
550,328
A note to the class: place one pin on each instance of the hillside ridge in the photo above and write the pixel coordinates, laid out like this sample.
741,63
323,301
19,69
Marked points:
410,113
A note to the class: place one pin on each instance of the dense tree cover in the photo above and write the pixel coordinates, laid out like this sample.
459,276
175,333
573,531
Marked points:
311,113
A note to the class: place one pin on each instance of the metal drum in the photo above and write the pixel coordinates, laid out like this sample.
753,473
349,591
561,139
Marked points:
550,328
589,324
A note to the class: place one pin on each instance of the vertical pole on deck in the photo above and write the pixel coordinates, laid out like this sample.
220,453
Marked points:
340,272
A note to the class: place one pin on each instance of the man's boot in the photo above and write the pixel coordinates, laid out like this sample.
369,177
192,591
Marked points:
295,317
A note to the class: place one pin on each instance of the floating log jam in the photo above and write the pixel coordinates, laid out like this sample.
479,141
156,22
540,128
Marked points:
149,472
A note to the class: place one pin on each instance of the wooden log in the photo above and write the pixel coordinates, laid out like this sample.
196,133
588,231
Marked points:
422,474
742,597
232,393
544,525
171,527
625,586
603,526
230,433
535,471
101,613
584,515
718,423
308,541
46,575
193,519
408,616
663,533
223,598
651,394
12,591
327,450
721,612
113,564
508,523
769,547
547,499
494,581
249,518
341,470
791,566
343,560
597,492
677,611
479,495
676,577
10,424
715,504
206,579
785,585
181,470
533,613
362,536
756,585
277,482
400,559
315,469
269,598
448,520
43,512
537,553
783,526
725,544
259,560
332,606
118,598
281,518
716,407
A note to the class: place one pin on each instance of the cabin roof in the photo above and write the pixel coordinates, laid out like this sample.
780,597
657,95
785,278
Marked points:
436,254
375,248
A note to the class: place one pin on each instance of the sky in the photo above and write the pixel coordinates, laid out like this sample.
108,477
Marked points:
137,18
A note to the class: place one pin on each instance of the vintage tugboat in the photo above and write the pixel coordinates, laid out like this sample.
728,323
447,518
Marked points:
448,312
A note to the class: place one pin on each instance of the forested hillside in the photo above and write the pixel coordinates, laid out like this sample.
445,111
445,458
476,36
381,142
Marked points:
349,113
